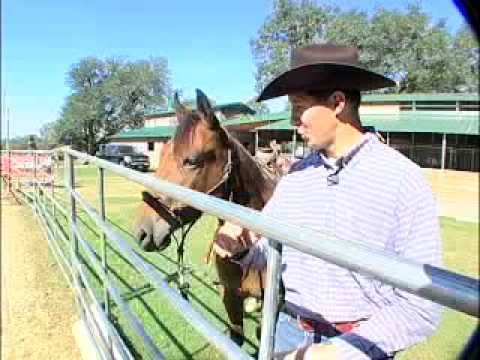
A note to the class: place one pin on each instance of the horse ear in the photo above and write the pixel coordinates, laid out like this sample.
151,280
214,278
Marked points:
205,108
180,109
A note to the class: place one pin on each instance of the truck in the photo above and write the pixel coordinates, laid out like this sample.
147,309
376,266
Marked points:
125,155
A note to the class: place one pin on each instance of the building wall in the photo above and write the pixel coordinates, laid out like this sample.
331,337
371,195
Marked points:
161,121
379,109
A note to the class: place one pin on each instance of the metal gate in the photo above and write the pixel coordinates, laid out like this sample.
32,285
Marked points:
441,286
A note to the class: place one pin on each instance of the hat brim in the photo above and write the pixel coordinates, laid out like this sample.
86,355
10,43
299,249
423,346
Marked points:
324,76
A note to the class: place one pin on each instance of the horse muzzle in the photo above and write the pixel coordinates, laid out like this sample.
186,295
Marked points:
153,234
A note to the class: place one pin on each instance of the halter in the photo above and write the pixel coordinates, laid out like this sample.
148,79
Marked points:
185,216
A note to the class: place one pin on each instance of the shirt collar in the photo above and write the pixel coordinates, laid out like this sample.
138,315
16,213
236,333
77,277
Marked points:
345,159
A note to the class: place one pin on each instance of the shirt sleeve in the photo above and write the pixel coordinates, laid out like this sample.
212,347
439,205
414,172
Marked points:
407,319
257,256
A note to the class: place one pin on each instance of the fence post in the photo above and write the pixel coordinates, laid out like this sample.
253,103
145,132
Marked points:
444,150
101,197
270,301
35,182
70,182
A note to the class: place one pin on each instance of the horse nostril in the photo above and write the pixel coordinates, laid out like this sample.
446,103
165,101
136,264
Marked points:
140,234
146,243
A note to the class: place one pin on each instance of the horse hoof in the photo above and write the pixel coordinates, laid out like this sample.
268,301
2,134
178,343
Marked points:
237,338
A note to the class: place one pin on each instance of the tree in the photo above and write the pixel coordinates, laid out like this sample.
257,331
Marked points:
291,25
107,96
402,44
467,55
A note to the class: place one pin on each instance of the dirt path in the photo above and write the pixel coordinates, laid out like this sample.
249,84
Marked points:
457,193
38,310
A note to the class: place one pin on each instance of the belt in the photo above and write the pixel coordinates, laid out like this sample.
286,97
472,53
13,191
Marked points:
322,327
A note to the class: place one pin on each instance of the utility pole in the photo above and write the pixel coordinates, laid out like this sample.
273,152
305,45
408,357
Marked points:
9,153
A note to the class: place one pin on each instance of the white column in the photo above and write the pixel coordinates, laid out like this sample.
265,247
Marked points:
444,150
256,141
388,138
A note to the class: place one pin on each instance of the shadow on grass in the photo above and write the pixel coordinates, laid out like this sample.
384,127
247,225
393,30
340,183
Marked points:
138,293
164,257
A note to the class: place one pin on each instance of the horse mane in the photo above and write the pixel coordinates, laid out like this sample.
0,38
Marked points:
183,132
254,178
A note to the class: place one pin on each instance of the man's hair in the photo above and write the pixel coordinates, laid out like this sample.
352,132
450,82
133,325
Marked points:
352,97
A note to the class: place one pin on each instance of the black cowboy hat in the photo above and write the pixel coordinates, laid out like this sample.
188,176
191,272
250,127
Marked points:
322,67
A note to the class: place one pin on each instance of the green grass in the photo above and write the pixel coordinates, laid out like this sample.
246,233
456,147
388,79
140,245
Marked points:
172,333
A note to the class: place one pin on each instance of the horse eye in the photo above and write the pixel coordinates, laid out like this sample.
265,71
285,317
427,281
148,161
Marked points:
193,162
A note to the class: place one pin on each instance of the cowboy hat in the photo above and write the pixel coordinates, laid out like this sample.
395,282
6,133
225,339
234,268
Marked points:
322,67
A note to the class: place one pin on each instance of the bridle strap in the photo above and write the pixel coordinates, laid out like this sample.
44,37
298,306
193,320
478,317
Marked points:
227,171
181,216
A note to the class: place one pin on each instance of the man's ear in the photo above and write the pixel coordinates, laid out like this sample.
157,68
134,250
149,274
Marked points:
339,101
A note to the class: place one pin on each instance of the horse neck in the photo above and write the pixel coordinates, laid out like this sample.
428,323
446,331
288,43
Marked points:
251,177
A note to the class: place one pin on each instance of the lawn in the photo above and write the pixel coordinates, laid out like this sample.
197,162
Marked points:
174,336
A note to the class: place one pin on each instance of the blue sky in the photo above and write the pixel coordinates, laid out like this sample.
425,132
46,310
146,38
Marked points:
205,42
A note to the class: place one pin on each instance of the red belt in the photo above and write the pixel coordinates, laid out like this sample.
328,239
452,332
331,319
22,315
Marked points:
326,328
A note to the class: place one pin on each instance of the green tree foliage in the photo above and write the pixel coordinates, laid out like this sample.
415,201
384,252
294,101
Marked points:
405,45
108,95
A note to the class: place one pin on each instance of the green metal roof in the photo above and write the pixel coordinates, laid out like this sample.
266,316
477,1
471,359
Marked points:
146,132
279,125
426,122
381,98
170,110
256,119
411,121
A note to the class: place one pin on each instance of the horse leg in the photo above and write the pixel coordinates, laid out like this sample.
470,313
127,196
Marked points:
230,276
252,287
208,255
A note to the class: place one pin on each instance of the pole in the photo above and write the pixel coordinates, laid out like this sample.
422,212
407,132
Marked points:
294,142
256,142
74,258
444,150
9,157
101,196
271,301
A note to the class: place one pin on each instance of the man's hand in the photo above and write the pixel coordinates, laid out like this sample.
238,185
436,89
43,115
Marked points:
232,239
314,352
221,251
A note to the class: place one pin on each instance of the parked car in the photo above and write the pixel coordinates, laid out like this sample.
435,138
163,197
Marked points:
125,155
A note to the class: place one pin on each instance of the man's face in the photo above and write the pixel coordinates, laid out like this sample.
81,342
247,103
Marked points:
316,121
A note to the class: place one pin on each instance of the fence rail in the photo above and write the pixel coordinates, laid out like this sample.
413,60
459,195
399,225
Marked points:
453,290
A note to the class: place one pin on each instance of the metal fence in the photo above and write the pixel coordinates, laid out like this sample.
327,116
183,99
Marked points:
439,285
456,158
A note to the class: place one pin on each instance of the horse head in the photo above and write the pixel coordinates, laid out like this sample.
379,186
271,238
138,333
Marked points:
197,157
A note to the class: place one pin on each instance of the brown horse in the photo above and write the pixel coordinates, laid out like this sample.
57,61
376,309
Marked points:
204,157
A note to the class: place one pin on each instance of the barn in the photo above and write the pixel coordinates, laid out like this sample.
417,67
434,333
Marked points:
434,130
160,124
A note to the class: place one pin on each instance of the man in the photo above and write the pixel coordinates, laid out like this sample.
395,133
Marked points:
351,187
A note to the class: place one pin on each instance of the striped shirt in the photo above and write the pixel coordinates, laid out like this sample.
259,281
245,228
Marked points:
378,198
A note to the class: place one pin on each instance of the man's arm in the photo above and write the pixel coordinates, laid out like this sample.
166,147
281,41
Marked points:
408,319
256,257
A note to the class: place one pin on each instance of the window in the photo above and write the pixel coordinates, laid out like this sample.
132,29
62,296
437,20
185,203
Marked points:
151,146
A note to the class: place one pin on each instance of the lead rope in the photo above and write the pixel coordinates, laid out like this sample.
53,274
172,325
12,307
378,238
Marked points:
182,270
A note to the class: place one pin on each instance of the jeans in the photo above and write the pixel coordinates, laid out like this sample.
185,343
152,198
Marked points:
289,336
